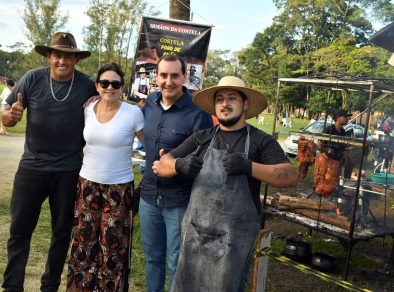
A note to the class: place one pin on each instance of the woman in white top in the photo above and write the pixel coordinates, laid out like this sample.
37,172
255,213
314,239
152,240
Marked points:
102,224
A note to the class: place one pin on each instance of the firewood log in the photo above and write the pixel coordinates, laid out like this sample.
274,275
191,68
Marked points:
338,221
288,202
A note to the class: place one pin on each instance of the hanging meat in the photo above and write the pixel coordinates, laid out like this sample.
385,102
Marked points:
305,156
326,174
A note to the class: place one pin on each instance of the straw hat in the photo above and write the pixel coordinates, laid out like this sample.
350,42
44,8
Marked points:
391,60
64,42
257,101
142,70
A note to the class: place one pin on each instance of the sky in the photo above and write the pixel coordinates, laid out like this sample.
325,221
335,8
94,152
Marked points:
235,26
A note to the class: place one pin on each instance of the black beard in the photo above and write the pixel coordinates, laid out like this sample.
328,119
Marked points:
230,122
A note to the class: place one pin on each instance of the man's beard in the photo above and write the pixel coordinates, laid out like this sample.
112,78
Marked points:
230,122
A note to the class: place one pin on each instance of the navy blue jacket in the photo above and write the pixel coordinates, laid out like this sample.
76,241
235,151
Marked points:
166,129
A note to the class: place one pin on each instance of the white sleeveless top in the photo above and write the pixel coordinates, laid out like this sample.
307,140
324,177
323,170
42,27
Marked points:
107,154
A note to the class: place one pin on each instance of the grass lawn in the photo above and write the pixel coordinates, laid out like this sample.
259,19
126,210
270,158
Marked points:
268,126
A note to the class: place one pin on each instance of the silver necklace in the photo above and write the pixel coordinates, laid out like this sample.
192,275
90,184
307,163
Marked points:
69,90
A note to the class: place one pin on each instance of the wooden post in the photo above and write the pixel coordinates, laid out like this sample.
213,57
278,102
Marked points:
260,265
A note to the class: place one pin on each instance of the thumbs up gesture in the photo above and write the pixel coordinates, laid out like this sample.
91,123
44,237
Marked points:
16,110
235,164
190,165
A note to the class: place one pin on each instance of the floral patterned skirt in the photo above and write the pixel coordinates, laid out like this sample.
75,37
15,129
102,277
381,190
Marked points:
100,236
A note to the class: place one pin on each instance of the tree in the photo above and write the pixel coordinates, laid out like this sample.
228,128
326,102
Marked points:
113,23
218,66
312,37
42,19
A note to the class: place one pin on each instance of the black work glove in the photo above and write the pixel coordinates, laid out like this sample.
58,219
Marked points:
235,164
190,165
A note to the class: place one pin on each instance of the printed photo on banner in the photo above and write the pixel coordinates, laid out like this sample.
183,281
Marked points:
159,37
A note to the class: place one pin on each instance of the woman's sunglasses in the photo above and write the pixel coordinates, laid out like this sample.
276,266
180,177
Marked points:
105,84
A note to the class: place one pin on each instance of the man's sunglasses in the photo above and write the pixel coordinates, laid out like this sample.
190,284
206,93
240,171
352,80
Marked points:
105,84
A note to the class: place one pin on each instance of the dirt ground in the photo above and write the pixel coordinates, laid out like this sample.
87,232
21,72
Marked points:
280,278
11,148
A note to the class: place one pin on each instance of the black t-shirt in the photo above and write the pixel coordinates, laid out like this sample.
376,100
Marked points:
54,138
338,148
263,149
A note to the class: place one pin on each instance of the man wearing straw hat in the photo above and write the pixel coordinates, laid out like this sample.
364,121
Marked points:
228,162
49,167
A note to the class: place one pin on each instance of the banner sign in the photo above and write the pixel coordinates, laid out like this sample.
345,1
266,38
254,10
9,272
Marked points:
159,37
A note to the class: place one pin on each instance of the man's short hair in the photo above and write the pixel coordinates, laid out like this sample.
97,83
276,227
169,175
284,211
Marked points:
173,58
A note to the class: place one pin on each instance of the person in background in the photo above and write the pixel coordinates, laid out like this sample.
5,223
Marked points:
284,120
100,236
141,89
228,164
313,120
54,97
260,120
335,150
291,122
387,125
4,94
141,86
170,117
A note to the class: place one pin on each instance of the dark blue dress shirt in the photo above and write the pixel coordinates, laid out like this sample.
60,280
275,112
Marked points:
166,129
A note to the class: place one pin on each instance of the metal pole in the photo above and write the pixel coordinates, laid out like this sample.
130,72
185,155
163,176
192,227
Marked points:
276,107
262,222
355,201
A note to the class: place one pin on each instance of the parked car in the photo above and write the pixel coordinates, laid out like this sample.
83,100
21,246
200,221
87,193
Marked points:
290,146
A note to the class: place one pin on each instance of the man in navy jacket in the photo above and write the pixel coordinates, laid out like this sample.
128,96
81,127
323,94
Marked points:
170,117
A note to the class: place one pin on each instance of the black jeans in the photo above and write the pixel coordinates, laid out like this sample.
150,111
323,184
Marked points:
31,188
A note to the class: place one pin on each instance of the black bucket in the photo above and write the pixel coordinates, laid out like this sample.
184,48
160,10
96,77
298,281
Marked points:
298,250
323,262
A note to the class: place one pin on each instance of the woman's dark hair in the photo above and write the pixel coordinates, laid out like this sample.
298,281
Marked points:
173,58
10,82
110,67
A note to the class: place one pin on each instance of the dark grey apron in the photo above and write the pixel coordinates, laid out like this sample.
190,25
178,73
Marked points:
219,229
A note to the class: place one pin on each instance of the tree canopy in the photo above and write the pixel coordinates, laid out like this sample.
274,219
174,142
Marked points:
316,38
42,19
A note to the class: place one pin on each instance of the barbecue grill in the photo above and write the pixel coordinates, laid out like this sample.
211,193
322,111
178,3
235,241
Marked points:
359,208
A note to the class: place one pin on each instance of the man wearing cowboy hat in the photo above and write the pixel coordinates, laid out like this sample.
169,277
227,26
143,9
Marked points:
228,162
49,167
141,85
